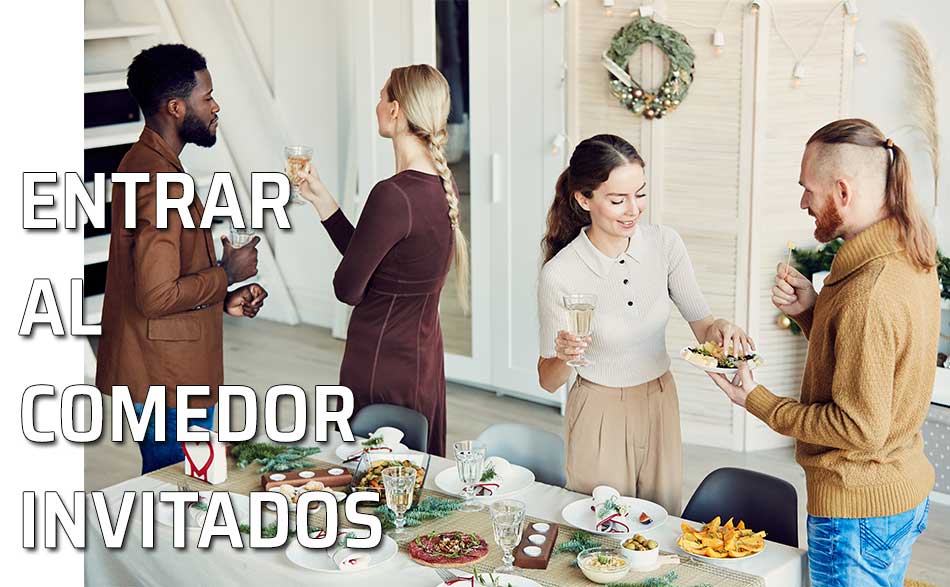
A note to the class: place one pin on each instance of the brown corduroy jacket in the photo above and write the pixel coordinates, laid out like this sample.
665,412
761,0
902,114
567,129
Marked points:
163,307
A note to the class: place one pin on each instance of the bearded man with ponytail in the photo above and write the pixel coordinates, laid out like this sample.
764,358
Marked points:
872,337
396,259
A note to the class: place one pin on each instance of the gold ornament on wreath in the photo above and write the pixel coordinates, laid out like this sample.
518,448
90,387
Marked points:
667,97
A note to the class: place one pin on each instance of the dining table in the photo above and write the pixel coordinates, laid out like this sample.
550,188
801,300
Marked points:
777,565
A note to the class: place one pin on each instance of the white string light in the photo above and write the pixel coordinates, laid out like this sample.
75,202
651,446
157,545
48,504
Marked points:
798,74
608,7
719,41
851,8
860,53
558,143
754,6
556,5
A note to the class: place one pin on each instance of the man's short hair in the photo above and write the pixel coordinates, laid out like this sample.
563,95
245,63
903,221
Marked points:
161,73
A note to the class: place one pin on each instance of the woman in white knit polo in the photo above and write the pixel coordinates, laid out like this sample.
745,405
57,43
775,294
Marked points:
622,418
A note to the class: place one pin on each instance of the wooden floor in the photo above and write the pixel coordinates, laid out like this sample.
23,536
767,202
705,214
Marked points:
260,354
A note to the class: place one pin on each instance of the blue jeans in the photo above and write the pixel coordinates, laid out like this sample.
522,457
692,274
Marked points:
156,455
863,552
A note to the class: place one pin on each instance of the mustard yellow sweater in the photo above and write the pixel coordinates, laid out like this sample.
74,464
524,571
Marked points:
868,381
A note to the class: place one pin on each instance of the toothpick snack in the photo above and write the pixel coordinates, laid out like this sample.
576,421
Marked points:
790,245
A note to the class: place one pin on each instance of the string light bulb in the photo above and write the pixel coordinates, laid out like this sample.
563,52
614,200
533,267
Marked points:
860,54
608,7
718,41
798,74
754,6
851,9
646,11
555,5
558,143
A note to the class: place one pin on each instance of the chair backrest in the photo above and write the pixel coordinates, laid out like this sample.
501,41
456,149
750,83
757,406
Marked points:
539,451
414,426
762,501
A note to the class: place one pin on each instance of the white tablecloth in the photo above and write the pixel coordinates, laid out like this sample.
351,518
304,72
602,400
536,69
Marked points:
780,565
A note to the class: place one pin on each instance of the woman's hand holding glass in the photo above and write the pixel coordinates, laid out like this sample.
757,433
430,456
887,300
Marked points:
315,191
569,347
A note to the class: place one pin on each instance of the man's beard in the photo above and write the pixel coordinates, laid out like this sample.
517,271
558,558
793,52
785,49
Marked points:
193,130
828,222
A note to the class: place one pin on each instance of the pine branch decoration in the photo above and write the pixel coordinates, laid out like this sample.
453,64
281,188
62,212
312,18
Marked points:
923,81
272,457
429,508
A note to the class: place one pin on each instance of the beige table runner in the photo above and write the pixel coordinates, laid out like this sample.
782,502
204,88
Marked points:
691,572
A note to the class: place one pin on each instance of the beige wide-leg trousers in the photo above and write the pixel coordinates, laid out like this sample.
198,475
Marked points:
627,438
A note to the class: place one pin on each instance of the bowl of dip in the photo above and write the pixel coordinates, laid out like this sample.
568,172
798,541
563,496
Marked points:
603,565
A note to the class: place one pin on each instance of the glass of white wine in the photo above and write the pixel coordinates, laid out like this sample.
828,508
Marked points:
581,313
507,522
400,483
297,157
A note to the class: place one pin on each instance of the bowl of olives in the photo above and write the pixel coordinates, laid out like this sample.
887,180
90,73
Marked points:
641,552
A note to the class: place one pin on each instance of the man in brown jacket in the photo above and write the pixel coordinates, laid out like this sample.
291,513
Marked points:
165,291
872,340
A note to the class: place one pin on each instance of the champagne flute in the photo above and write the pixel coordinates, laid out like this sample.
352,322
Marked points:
297,158
470,460
400,483
581,310
507,522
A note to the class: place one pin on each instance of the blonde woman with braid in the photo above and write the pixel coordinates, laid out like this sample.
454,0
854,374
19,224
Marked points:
396,259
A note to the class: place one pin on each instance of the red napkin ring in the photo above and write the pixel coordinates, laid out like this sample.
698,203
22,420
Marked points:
483,489
463,580
356,456
610,523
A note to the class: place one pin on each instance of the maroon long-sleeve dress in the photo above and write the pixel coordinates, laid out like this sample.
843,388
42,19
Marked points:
394,265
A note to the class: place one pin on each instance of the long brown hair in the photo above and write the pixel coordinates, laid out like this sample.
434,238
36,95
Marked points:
591,163
920,246
423,95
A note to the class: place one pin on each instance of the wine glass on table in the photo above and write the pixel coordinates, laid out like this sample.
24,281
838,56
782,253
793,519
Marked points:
507,522
580,309
470,460
400,483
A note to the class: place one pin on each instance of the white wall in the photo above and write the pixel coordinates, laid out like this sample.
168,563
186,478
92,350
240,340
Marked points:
881,90
301,48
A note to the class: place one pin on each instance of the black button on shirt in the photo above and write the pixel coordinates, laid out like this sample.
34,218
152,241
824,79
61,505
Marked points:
626,281
629,303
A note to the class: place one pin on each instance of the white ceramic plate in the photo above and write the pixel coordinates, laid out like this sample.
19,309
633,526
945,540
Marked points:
723,370
712,560
164,511
501,579
317,560
579,515
516,479
348,449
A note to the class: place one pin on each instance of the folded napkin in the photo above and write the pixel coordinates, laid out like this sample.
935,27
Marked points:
383,439
493,476
348,559
610,513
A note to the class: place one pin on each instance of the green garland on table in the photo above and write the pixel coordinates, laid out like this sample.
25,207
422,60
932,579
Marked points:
429,508
270,530
665,99
667,580
579,542
272,457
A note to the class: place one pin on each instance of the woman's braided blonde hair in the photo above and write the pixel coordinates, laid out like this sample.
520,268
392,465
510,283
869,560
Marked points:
423,95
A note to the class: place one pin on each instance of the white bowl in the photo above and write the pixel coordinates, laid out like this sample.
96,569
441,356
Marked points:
641,559
603,576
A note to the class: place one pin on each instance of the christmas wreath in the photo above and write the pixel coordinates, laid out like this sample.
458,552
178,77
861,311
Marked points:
666,98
